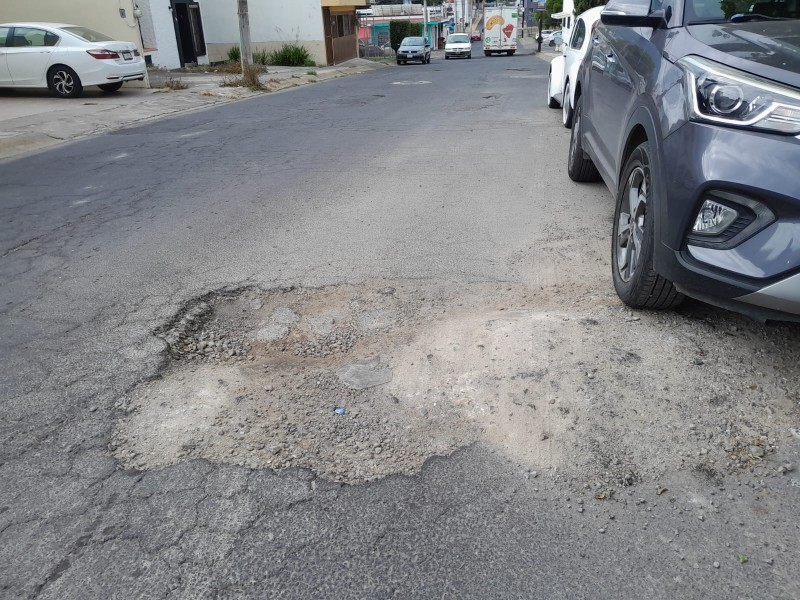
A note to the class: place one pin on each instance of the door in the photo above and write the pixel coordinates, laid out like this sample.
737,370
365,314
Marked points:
29,55
574,51
184,30
5,75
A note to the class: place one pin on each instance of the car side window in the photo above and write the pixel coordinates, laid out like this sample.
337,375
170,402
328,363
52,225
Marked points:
28,36
4,41
579,35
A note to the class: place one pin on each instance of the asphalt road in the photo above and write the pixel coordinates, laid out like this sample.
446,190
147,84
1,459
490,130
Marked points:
450,171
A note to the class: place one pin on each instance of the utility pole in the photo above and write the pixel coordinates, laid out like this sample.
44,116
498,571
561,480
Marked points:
246,52
425,19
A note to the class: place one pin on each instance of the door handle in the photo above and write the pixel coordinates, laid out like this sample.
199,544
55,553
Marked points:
596,40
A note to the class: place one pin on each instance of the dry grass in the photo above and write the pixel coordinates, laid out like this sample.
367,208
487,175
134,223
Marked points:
174,83
250,79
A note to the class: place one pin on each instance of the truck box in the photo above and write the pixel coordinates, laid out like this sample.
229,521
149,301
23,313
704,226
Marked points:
499,30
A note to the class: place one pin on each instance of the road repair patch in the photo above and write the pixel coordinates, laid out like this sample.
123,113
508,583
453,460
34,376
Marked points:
358,382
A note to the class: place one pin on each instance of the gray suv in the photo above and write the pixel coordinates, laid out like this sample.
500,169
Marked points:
689,110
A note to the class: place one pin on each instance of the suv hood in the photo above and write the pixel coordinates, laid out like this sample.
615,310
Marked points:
771,47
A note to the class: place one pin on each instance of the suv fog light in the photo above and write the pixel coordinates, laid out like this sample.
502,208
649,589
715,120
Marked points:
714,218
726,219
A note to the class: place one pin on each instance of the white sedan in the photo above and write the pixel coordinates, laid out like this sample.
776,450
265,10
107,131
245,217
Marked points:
65,58
564,69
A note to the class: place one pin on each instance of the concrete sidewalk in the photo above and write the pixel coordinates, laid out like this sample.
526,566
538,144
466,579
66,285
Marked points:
31,120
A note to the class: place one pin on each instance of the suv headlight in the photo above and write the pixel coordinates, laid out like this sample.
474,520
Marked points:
719,94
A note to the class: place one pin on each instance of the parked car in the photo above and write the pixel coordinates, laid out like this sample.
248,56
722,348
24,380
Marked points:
564,69
691,115
556,41
414,48
475,36
65,59
551,35
458,44
366,50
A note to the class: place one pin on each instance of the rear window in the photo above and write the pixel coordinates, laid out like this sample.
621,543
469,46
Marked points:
90,35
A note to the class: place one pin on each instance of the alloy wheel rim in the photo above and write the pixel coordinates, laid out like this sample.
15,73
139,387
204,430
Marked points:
630,227
63,82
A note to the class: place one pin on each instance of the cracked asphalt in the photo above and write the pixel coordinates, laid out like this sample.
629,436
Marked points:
449,171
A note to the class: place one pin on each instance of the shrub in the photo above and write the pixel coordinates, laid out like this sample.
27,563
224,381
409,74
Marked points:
291,55
260,57
234,53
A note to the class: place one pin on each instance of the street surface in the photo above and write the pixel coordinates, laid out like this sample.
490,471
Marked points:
185,304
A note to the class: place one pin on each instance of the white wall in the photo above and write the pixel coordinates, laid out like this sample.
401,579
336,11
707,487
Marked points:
272,24
270,21
164,31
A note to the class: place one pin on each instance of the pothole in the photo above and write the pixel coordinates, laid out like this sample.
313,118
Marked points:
358,382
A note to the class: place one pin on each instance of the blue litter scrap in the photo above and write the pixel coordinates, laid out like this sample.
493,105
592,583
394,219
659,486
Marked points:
340,411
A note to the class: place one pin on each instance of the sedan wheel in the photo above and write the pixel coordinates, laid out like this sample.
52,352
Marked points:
64,82
551,102
636,282
566,108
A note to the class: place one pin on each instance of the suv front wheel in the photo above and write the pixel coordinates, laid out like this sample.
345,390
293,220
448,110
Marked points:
636,282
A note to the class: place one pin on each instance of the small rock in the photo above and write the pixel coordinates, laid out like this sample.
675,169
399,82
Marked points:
756,451
93,409
698,361
716,565
601,530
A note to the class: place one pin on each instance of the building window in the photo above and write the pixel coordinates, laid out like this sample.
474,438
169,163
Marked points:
342,25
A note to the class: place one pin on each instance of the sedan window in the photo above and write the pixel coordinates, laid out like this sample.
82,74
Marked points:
4,41
579,35
28,36
90,35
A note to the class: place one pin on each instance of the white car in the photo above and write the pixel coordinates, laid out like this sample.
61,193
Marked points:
65,58
458,44
564,69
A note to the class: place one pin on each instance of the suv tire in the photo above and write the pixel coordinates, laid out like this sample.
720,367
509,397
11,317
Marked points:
579,166
635,281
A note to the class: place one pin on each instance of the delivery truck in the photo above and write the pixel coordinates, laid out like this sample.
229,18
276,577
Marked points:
499,30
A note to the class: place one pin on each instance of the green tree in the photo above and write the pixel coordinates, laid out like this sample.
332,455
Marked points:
402,29
584,5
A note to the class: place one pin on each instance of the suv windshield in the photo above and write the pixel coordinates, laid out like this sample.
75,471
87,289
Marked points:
459,39
716,11
414,41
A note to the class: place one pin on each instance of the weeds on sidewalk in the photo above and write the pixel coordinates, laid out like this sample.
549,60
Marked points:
249,79
174,83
